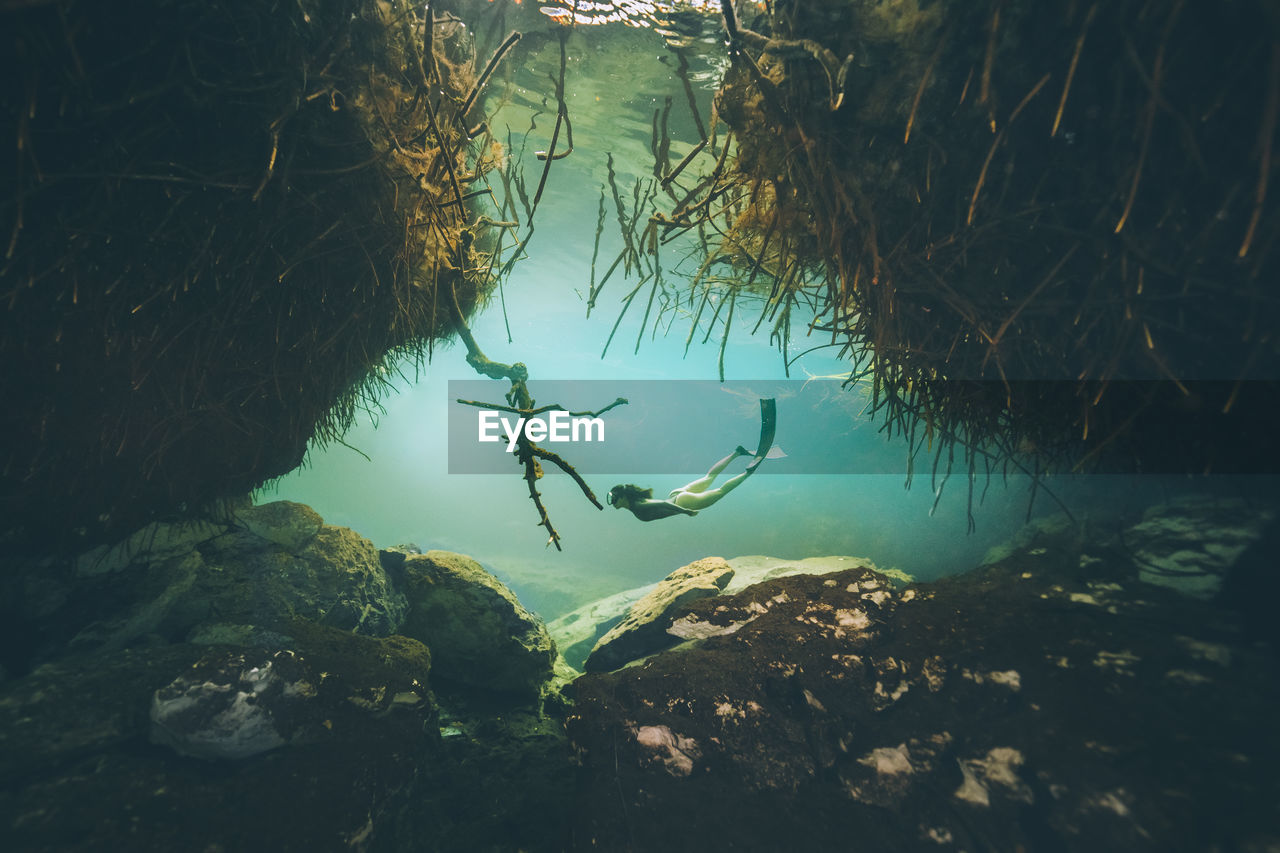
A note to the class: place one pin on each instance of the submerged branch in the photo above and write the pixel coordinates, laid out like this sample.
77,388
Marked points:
520,402
507,43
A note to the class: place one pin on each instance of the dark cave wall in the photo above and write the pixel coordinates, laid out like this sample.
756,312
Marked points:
1049,227
213,241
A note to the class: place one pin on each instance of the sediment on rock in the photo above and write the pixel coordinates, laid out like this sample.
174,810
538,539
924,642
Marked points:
1050,700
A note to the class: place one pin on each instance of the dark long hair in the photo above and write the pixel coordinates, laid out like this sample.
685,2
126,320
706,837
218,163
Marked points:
629,491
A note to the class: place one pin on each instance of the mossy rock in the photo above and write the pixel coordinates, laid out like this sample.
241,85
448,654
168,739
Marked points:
479,633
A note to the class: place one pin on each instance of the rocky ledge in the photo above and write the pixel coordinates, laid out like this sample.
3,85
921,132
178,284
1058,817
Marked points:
271,682
1053,700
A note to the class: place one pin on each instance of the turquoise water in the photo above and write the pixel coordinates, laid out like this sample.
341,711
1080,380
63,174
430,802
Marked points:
403,491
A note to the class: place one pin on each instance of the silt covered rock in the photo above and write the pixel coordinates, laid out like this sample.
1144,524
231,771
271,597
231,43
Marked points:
1190,545
288,524
577,632
341,723
644,629
275,563
1051,701
478,633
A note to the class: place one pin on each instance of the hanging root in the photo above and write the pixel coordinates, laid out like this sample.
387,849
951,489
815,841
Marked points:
1266,137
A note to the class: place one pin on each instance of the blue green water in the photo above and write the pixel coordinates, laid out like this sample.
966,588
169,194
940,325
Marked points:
403,493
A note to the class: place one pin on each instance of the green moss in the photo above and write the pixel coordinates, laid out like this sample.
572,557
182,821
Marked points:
393,659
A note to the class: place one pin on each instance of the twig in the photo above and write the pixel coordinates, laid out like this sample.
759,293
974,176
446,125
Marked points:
507,43
1071,70
995,143
924,81
568,469
595,253
1265,135
728,322
1149,121
688,158
562,115
653,289
553,407
988,60
428,41
683,72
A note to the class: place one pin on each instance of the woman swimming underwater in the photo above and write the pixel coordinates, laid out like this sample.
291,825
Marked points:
698,495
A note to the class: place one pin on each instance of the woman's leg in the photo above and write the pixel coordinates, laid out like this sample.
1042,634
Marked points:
703,499
701,483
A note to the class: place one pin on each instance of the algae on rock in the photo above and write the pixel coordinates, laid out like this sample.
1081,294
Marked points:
479,633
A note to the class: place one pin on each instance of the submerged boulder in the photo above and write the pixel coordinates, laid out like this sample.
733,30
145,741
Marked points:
218,676
235,703
231,706
1191,545
340,722
288,524
235,583
1051,701
644,629
478,632
156,542
336,579
753,569
577,632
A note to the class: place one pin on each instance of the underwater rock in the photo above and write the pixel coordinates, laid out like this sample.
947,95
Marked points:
202,583
146,599
231,634
230,706
1191,545
754,569
291,525
340,578
65,710
1048,702
404,549
155,542
233,704
504,782
576,632
1046,526
644,629
75,771
241,578
478,632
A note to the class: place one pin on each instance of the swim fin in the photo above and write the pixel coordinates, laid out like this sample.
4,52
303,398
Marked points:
768,426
